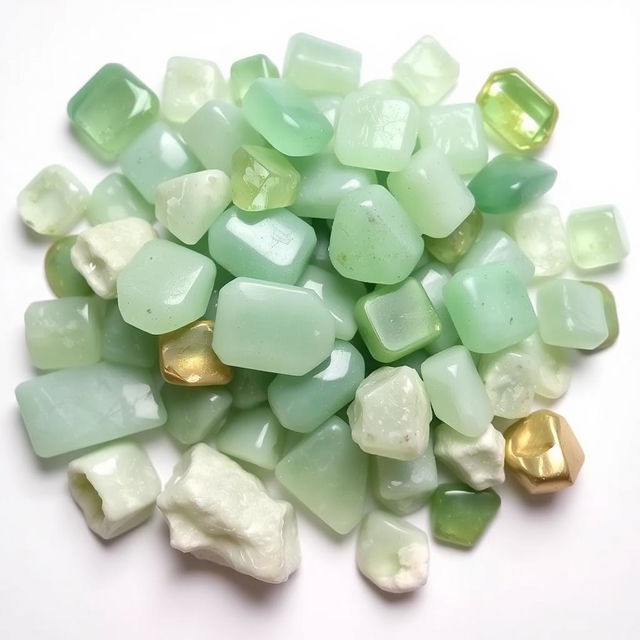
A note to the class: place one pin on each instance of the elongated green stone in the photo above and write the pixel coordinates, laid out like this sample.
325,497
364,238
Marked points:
244,72
249,387
84,406
454,246
610,314
327,472
509,181
63,278
115,198
124,344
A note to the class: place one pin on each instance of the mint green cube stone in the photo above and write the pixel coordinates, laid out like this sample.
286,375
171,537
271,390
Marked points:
396,320
489,307
63,278
320,66
597,237
249,387
84,406
327,472
244,72
115,198
165,287
610,313
62,333
274,246
215,132
155,156
571,314
112,109
303,403
272,327
376,132
124,344
285,117
373,239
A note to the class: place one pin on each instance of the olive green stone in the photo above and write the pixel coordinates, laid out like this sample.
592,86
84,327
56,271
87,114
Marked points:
610,314
115,198
62,276
125,344
454,246
244,72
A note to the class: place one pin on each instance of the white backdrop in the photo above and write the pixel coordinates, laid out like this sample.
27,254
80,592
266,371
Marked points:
562,566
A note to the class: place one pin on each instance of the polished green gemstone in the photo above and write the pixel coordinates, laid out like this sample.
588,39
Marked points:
246,71
62,276
510,181
610,313
454,246
460,515
249,387
384,87
327,472
115,198
125,344
112,109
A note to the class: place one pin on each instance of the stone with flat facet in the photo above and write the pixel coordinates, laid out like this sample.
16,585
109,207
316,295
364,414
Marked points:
246,71
124,344
115,198
63,278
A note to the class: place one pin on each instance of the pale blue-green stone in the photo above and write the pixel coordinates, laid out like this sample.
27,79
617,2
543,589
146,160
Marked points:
249,387
125,344
115,198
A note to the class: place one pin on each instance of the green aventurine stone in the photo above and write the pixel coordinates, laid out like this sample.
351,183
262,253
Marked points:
396,320
111,109
115,198
460,515
84,406
125,344
249,387
62,276
508,182
287,119
63,333
246,71
489,307
302,403
454,246
327,472
610,313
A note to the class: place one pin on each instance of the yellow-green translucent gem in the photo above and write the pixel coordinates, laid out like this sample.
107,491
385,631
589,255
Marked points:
62,276
517,110
244,72
452,247
115,198
610,314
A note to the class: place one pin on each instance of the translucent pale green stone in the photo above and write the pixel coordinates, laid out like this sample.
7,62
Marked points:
222,277
84,406
329,106
327,472
373,239
165,287
62,276
274,246
112,109
244,72
125,344
155,156
62,333
384,87
319,66
285,117
610,313
510,181
115,198
489,307
249,387
454,246
302,403
320,256
552,366
272,327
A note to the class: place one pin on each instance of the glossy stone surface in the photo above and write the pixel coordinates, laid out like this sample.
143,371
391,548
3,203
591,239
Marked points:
433,194
427,71
63,278
517,110
272,327
165,287
53,202
124,344
327,472
287,119
552,372
384,87
460,515
274,246
509,181
245,71
84,406
376,132
543,453
112,109
62,333
489,307
373,239
610,314
115,198
456,391
453,247
597,237
249,387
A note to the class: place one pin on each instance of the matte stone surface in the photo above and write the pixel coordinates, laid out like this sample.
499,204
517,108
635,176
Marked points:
115,198
453,247
63,278
245,71
124,344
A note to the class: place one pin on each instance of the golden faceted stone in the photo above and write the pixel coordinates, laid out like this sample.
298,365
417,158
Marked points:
187,357
543,452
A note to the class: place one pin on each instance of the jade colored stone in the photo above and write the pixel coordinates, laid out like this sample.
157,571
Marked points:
249,387
319,66
373,239
610,313
155,156
215,131
262,178
509,181
285,117
222,277
460,515
327,472
254,436
454,246
376,132
396,320
274,246
165,287
456,391
63,278
302,403
124,344
433,194
384,87
112,109
84,406
115,198
62,333
246,71
552,366
490,308
320,256
597,237
272,327
571,314
329,106
517,110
